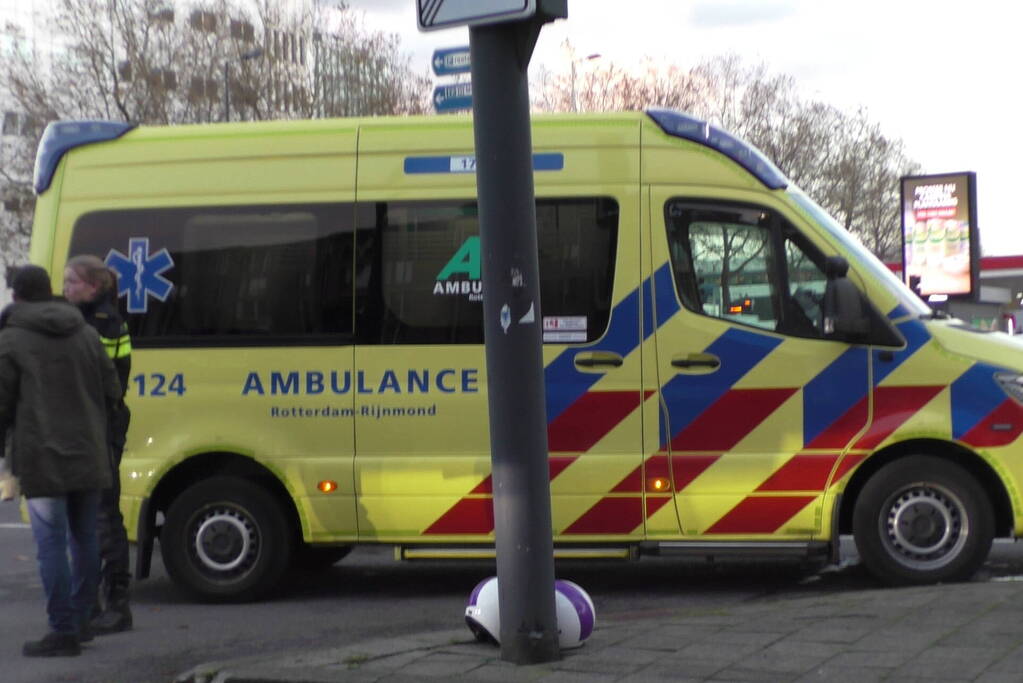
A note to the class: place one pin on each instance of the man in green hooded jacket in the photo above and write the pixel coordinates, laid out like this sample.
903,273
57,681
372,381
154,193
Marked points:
57,387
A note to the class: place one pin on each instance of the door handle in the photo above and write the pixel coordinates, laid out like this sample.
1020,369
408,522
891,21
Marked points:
593,359
696,360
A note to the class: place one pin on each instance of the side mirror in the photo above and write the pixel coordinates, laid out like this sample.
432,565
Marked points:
845,312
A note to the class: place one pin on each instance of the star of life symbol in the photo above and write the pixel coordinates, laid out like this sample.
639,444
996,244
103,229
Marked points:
139,274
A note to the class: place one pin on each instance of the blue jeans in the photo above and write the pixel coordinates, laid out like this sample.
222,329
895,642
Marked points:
70,589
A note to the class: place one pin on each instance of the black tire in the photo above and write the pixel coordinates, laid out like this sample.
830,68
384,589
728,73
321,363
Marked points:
922,520
226,539
313,558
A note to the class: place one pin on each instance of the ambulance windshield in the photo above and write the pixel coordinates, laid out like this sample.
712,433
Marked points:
911,302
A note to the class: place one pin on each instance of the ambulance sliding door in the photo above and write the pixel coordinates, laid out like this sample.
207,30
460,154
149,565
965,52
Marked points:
757,407
421,414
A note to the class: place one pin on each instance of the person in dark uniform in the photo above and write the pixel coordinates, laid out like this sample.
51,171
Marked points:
92,287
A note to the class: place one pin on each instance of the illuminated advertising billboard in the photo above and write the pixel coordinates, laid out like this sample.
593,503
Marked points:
940,247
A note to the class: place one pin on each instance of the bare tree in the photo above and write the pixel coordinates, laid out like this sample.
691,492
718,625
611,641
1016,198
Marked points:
182,62
17,137
844,161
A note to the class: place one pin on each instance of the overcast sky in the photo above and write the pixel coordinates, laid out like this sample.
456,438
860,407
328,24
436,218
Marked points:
942,75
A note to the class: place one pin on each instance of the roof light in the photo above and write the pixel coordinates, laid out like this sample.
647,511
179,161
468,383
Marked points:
62,136
699,131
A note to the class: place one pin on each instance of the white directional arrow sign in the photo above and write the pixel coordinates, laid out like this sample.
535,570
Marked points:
452,97
453,60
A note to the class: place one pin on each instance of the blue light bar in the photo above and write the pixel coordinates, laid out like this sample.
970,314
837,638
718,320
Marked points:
742,153
62,136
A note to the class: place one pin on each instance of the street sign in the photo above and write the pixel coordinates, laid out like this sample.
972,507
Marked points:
453,60
452,97
437,14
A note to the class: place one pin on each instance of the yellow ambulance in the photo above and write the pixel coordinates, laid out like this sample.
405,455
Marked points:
727,370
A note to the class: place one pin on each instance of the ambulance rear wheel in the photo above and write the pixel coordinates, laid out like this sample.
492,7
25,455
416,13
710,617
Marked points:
226,539
922,520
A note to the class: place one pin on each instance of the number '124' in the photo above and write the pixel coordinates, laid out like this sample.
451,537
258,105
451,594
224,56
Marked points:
157,384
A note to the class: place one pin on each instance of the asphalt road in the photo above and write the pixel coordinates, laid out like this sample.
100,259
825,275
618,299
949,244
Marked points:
368,596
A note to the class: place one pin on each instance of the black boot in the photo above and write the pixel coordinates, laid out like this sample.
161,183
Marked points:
53,644
114,619
116,615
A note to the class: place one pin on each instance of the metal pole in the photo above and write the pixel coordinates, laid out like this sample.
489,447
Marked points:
227,93
512,328
575,102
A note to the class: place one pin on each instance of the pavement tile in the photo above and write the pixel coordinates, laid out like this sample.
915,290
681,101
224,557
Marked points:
828,673
719,650
711,620
600,639
390,663
796,648
506,672
669,671
579,677
907,678
902,637
1011,660
738,673
382,647
776,663
747,638
649,677
774,624
1003,640
473,647
615,661
957,611
951,663
655,642
833,633
687,668
290,675
866,659
603,635
437,664
998,677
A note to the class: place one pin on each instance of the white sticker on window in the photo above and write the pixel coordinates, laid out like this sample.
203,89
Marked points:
564,323
564,337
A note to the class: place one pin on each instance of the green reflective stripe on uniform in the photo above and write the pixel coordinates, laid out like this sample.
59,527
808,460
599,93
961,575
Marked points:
117,348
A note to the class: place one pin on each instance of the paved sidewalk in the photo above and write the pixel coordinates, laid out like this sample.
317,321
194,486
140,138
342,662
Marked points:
961,632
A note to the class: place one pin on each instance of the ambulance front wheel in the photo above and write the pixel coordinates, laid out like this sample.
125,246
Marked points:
922,520
226,539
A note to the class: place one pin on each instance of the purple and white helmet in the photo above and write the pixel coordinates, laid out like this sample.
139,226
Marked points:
575,613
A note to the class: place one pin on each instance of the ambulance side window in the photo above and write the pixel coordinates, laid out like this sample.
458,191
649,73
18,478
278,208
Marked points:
744,264
256,275
419,269
806,283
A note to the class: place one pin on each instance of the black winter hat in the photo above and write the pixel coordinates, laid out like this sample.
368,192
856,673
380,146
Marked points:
31,283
